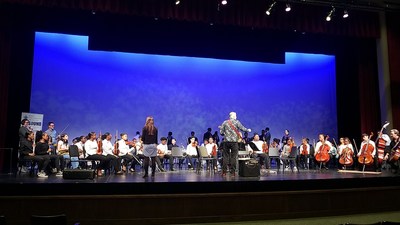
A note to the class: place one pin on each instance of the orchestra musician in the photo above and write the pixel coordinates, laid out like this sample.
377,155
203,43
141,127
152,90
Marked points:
43,150
108,149
346,152
305,150
212,152
287,149
92,153
322,144
26,152
258,152
63,150
164,153
392,156
51,131
367,146
25,127
379,162
125,152
191,152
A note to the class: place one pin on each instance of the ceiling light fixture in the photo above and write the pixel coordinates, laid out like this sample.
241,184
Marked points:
345,14
268,12
224,2
177,2
288,8
330,14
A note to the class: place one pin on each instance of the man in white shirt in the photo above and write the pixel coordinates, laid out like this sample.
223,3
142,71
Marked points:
125,152
163,152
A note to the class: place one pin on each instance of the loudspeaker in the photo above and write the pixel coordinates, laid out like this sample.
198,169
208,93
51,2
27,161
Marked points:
78,174
249,168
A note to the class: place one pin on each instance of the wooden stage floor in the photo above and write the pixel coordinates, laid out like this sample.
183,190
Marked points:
188,181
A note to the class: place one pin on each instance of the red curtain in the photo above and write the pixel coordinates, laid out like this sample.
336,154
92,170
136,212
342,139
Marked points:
5,55
393,33
303,17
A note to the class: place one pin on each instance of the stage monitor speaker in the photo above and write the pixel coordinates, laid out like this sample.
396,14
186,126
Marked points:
78,174
249,168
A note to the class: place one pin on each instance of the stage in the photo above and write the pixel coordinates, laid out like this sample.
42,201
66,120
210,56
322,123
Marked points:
184,196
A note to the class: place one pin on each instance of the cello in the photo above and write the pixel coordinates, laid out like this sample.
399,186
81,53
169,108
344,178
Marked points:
366,153
346,158
381,144
322,155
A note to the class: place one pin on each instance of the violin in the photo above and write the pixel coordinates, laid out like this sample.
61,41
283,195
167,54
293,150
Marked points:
304,151
214,150
323,152
366,153
99,145
381,144
116,145
265,147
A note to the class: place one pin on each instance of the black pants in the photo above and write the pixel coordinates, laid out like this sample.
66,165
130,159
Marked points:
229,156
104,161
40,160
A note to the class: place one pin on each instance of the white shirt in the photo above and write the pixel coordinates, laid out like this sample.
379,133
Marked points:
342,147
307,148
123,148
369,143
163,149
210,147
63,146
91,147
319,144
259,145
107,147
80,148
190,150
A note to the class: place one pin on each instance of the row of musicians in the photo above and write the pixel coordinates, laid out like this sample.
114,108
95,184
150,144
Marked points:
305,150
128,152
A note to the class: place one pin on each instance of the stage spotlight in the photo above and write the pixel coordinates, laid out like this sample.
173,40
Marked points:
224,2
345,14
288,8
268,12
177,2
330,14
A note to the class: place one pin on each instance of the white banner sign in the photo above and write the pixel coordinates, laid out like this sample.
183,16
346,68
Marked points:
35,119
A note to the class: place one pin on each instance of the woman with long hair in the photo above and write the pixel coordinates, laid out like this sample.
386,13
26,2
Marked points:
149,138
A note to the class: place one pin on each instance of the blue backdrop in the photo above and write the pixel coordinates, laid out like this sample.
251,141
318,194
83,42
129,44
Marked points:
113,91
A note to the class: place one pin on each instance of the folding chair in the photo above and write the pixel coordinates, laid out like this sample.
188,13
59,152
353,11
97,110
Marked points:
203,155
289,159
177,153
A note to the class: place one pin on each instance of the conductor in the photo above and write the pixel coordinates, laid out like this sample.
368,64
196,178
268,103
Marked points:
230,130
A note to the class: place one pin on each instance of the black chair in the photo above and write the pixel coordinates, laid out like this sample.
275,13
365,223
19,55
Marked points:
28,163
291,159
74,152
60,219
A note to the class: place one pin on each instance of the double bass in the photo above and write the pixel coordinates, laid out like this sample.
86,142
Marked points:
381,144
322,155
366,153
116,145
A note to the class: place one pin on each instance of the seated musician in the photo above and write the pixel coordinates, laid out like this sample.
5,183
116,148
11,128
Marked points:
108,151
322,144
43,151
80,144
164,153
62,149
345,148
93,153
173,144
125,152
367,143
212,153
287,149
258,151
26,153
392,156
191,152
304,150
